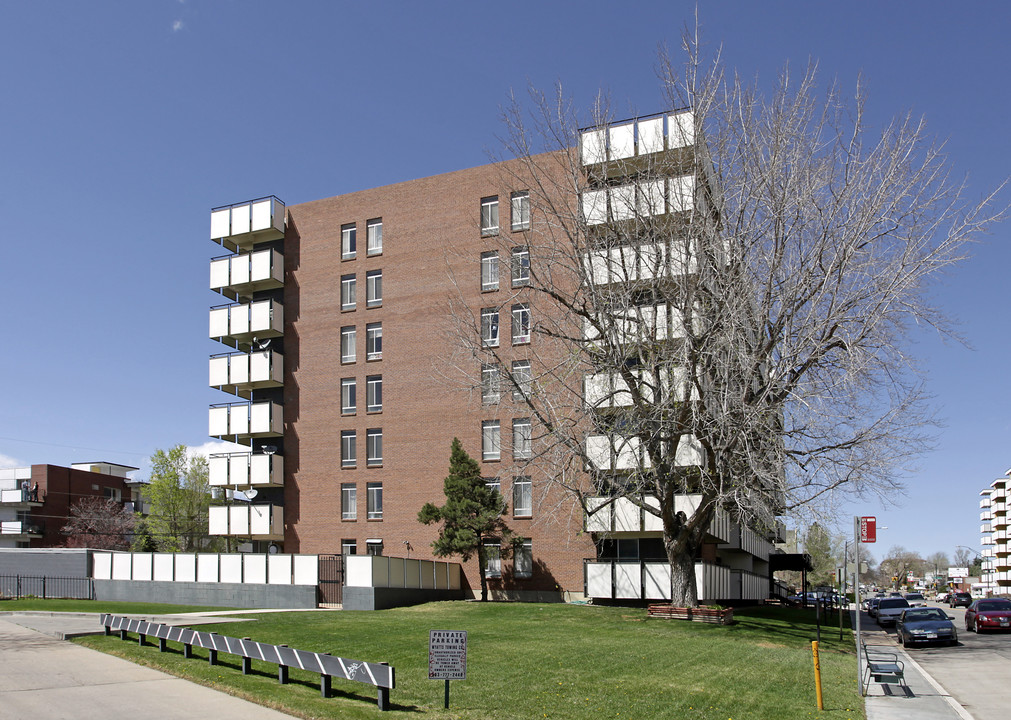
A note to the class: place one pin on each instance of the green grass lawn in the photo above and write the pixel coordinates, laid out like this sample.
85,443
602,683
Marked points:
542,661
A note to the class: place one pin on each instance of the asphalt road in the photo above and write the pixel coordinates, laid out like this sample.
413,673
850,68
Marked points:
976,672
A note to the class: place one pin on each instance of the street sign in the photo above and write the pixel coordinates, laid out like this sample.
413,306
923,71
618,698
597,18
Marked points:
447,654
868,529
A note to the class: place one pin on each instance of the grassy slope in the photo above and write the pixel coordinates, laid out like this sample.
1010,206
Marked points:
545,661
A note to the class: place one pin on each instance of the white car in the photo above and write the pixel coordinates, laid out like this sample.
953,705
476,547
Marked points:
916,599
889,610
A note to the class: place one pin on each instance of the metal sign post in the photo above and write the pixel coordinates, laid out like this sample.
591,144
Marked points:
864,530
447,657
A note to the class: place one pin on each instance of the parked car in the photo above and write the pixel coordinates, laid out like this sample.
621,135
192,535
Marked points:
988,614
872,606
926,625
941,597
959,598
916,599
889,610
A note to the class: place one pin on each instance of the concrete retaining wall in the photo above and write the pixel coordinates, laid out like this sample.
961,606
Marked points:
380,598
54,562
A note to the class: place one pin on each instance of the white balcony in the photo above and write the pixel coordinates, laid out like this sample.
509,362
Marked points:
240,322
616,452
605,390
257,522
240,275
244,224
638,263
17,498
16,529
240,373
242,470
639,201
650,580
239,422
985,502
613,516
640,324
984,528
638,138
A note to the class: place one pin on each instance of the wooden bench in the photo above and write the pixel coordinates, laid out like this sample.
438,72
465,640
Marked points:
328,666
882,665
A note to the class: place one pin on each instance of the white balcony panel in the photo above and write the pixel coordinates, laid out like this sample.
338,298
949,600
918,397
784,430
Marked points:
651,136
622,140
217,424
217,470
254,568
265,368
238,519
681,192
231,568
623,204
264,265
627,516
238,469
267,214
650,521
598,452
262,219
238,369
266,470
248,271
238,320
265,419
221,223
598,579
238,420
680,130
600,521
239,268
594,205
219,321
651,202
593,146
627,580
218,371
656,581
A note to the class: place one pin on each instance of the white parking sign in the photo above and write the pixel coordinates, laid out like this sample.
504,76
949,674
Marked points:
447,654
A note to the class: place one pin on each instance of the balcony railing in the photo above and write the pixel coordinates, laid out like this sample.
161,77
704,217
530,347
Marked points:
242,421
641,137
241,470
11,497
615,452
258,522
640,201
246,223
240,322
19,529
240,373
651,580
611,516
241,275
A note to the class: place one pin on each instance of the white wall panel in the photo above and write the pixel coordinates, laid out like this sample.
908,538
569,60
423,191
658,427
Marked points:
622,140
186,567
143,566
220,224
627,580
598,579
218,320
240,219
305,570
594,205
220,273
358,570
279,569
261,215
164,567
651,136
122,566
207,567
254,568
623,203
593,147
230,568
101,565
656,581
680,130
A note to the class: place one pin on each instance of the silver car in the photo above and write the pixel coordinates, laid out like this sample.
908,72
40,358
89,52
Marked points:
889,610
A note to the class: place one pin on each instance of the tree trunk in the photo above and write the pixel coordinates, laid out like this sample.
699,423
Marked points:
684,592
480,569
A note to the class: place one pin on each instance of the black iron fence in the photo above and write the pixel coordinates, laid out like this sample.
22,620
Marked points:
25,586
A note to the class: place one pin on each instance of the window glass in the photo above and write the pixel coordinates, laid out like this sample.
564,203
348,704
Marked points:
348,351
491,443
348,284
348,396
492,559
348,241
520,267
349,502
489,384
522,379
374,546
374,288
349,547
522,439
349,451
374,341
489,327
374,393
522,497
523,561
489,271
489,215
493,484
374,236
521,210
521,323
374,491
374,446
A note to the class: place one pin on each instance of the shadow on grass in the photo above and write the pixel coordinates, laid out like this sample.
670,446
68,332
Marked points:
797,624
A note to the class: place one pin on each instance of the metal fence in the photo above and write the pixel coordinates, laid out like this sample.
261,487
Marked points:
24,586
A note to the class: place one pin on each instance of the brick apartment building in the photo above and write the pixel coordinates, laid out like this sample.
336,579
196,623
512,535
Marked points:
351,384
33,517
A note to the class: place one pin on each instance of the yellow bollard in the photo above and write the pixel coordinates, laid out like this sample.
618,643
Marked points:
817,674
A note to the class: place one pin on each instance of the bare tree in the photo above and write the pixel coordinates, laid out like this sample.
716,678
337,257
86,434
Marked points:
722,307
98,523
897,564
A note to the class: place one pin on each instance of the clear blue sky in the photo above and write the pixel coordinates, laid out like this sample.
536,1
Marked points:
125,122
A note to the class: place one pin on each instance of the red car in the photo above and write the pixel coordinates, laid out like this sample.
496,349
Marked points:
988,614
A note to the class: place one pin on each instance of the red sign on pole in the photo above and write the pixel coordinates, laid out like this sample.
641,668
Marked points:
868,529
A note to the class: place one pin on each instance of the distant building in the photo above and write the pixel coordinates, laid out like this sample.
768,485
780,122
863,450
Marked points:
35,501
995,578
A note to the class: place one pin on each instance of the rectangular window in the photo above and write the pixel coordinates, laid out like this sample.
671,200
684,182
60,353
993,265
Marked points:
489,215
521,267
374,446
348,241
374,546
489,271
491,442
349,450
349,402
374,341
374,236
349,501
374,393
522,497
490,384
492,559
522,380
348,345
521,324
493,484
348,284
373,288
522,439
521,210
489,327
374,491
349,547
523,559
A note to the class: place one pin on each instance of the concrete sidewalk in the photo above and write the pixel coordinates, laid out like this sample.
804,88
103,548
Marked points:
42,676
926,699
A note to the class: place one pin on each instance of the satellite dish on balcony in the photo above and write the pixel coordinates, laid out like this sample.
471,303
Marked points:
250,494
261,344
269,449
